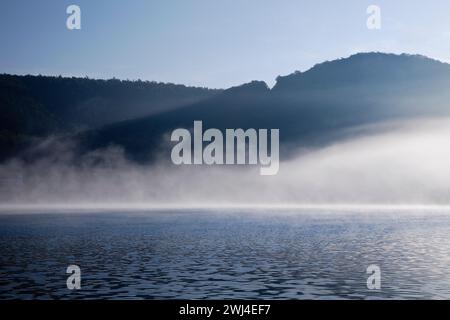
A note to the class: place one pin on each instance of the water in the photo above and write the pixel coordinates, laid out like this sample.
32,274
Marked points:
204,254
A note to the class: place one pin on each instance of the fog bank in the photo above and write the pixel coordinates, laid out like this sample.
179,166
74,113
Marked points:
409,163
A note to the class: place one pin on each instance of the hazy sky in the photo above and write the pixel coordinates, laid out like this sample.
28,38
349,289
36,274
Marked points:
210,42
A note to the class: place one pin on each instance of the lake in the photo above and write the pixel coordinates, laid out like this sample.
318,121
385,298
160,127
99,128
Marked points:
226,254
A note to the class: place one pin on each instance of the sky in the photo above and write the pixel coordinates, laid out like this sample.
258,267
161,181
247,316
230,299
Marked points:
210,43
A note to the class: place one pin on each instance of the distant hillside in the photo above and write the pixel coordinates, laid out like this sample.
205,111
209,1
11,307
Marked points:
40,105
309,107
365,69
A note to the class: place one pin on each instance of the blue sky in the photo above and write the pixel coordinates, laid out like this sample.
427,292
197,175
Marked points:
210,42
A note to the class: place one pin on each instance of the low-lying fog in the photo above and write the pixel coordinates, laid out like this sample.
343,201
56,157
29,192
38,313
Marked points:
409,163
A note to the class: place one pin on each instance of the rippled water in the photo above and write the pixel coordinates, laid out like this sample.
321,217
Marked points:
228,254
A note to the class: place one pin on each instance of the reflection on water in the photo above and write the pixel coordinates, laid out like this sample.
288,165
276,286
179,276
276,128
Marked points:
219,255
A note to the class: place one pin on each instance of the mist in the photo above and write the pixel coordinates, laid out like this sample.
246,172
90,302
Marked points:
404,163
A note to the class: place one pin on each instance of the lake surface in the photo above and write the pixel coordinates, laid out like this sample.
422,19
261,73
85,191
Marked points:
222,254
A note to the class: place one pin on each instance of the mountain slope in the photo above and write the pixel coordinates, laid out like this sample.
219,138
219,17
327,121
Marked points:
307,107
39,106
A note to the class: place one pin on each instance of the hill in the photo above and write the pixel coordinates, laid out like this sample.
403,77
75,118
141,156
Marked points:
308,107
38,106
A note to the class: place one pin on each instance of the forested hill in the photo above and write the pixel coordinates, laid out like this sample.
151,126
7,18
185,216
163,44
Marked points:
43,105
310,108
317,104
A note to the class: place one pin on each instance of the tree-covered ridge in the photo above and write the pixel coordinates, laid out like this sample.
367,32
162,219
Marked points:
43,105
309,108
314,105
